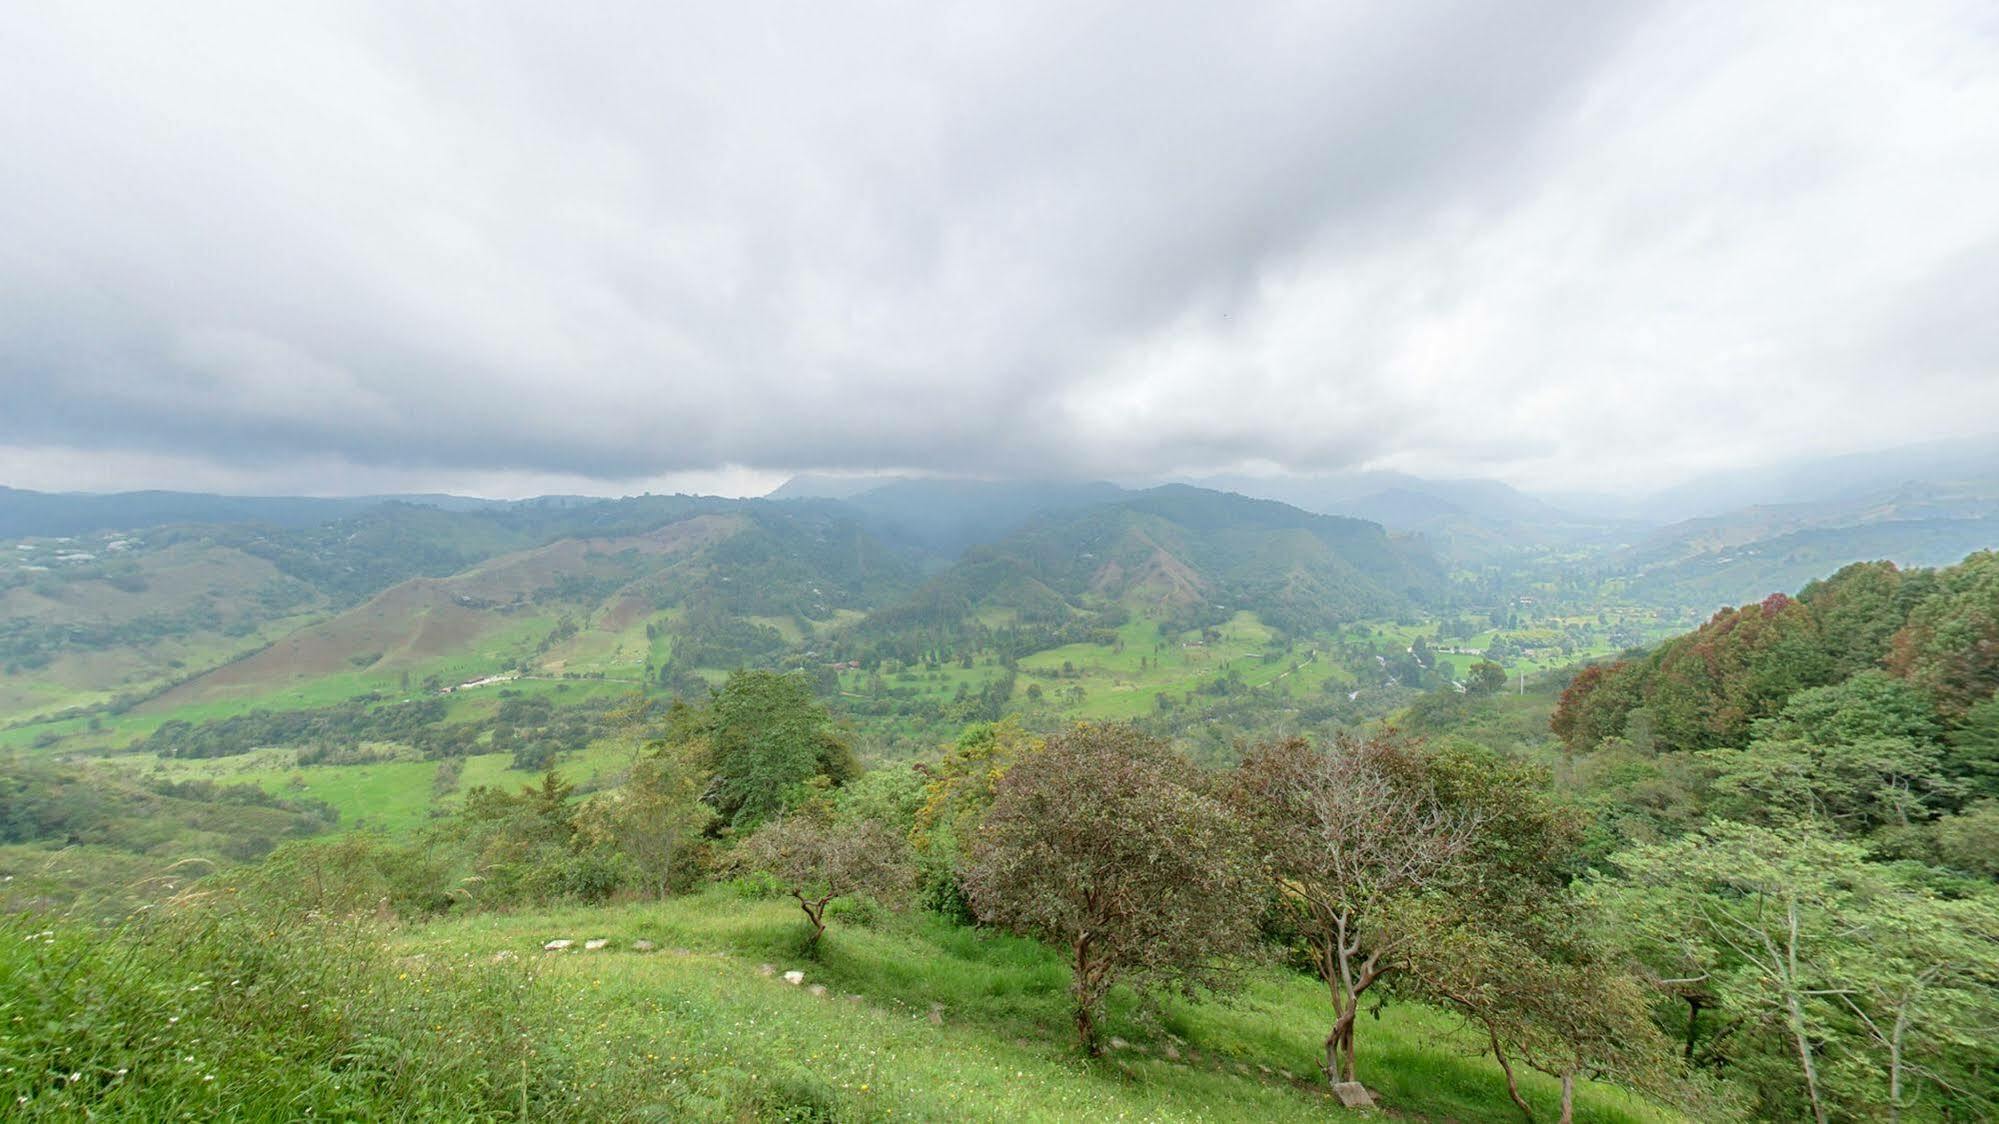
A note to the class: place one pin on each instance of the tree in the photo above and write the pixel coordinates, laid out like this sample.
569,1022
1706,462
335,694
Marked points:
1871,982
1596,703
1950,646
653,819
1976,745
956,793
1554,999
1860,755
1104,842
768,740
818,860
1859,610
524,846
1487,678
1348,835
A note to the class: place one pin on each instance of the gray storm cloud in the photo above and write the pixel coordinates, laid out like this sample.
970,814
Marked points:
1619,242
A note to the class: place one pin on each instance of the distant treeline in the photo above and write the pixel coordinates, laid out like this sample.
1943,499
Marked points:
533,729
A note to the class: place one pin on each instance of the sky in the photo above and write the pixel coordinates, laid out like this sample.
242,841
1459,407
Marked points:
510,248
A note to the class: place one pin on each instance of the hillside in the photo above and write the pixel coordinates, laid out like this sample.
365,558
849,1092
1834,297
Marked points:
1183,553
682,1016
1744,554
84,620
702,591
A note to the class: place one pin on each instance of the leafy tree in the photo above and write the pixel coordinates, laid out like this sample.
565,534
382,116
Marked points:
1861,754
956,793
1867,980
1555,1000
654,820
1704,689
1104,842
1976,748
768,741
1950,647
891,795
819,859
1969,840
524,846
1486,678
1595,704
1859,609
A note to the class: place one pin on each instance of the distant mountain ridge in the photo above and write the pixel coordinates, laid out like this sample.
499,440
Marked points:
1740,555
26,514
1179,552
1802,480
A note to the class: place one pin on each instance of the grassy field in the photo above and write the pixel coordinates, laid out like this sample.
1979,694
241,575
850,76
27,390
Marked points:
390,796
999,1045
901,1018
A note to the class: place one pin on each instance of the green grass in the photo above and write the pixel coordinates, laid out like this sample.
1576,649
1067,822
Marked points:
1125,684
388,796
599,761
203,1009
1001,1047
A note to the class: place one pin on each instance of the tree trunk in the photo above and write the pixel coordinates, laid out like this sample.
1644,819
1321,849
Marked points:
1895,1064
1081,987
1346,1005
1796,1011
1339,1043
815,912
1693,1023
1804,1047
1512,1085
1569,1097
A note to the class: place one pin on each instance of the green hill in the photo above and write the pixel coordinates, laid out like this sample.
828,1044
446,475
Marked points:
1176,553
708,590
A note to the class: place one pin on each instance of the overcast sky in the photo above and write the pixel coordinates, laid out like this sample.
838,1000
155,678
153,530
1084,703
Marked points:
515,248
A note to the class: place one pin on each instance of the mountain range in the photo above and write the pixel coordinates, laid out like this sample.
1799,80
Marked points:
172,599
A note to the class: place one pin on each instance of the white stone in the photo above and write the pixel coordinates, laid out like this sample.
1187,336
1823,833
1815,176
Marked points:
557,946
595,943
642,946
1353,1094
794,977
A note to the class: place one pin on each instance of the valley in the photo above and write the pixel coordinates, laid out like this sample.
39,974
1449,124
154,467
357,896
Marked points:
444,712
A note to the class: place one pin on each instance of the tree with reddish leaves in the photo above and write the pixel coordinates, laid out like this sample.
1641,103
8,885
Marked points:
1950,645
1105,842
1595,703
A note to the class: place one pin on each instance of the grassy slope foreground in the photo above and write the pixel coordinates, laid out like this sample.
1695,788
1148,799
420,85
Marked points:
463,1019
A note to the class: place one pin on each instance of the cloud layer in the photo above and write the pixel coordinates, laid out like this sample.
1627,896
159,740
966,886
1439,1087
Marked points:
510,247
